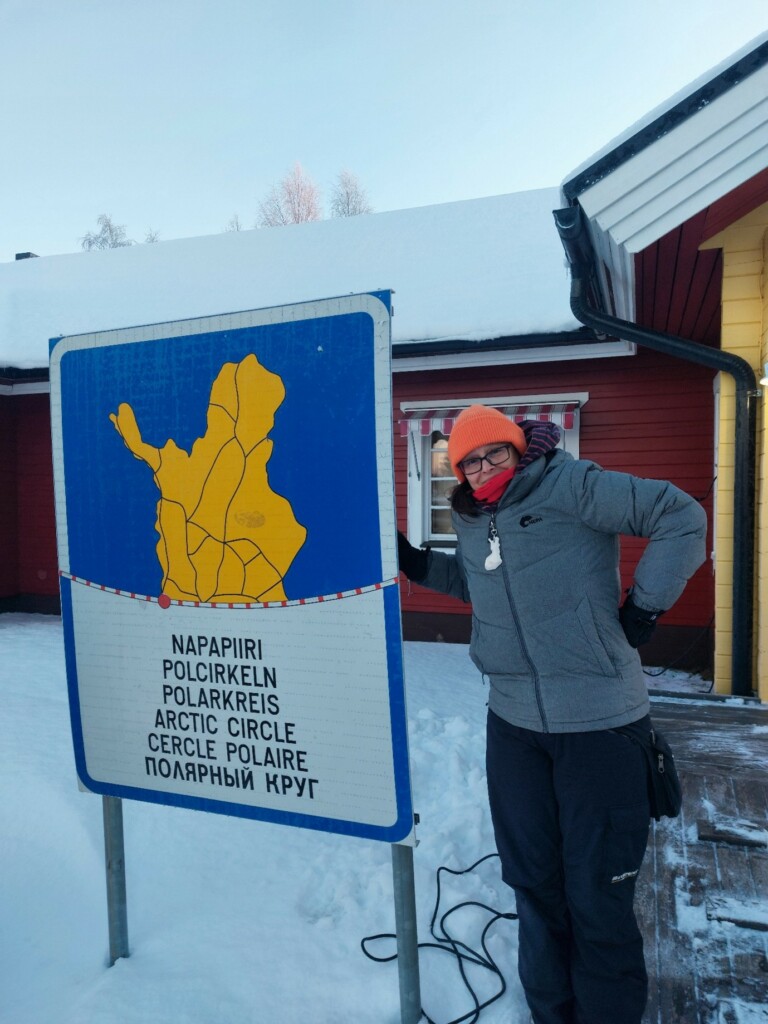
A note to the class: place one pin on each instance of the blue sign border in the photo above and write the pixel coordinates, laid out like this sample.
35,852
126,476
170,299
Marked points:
402,827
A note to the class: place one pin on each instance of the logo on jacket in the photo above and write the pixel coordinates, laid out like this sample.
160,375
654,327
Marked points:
529,520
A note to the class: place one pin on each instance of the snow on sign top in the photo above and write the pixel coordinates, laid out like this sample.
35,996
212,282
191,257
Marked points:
470,270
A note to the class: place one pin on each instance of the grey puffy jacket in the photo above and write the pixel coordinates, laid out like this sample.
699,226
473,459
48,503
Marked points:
545,625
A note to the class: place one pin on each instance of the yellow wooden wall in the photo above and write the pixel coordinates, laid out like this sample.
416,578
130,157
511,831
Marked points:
745,333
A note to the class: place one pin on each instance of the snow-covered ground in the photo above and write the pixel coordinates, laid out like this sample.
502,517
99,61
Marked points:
233,921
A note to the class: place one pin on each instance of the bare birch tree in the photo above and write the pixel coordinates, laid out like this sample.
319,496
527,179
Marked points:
293,200
349,198
109,235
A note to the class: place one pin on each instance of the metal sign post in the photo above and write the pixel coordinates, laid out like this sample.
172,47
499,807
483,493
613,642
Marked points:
114,855
407,937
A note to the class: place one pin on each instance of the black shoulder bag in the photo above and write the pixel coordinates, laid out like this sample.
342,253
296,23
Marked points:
665,794
664,790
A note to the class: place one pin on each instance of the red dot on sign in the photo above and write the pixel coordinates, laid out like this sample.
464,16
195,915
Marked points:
164,601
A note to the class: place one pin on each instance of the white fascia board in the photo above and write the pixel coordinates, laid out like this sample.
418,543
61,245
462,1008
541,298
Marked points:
582,397
559,353
622,269
704,158
715,168
40,387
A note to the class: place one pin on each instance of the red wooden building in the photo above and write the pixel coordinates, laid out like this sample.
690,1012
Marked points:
645,415
28,572
481,314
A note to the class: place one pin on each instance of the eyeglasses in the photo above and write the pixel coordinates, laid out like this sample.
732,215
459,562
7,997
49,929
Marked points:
494,457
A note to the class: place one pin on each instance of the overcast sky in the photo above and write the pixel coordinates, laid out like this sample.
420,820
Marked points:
174,115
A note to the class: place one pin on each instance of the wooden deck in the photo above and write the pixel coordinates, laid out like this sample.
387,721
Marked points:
703,890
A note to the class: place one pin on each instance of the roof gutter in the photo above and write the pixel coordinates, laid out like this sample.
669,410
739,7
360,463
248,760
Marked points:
578,249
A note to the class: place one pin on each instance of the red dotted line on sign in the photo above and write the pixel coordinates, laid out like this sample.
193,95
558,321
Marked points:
165,602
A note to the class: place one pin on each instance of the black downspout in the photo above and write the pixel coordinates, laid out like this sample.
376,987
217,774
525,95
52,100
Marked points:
578,249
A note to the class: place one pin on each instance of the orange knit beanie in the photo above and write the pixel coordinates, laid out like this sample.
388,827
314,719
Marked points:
479,425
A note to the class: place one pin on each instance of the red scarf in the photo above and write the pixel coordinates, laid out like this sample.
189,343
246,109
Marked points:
490,492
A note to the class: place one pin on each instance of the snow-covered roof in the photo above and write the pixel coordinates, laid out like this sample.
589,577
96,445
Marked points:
472,270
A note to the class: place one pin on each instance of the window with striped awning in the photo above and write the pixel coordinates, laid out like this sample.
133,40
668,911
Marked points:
424,421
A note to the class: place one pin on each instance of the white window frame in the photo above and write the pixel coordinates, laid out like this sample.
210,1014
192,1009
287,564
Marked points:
420,463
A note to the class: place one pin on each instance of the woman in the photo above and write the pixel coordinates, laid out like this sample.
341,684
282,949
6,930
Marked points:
537,556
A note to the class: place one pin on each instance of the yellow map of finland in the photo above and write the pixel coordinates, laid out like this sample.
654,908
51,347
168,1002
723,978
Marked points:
224,534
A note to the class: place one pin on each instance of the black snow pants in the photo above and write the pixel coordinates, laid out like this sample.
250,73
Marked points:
571,818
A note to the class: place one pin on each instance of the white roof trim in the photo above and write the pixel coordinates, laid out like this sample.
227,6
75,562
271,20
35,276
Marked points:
622,269
38,387
703,81
563,398
708,155
667,183
450,361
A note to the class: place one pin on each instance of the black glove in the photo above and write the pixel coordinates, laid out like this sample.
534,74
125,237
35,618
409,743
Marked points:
638,623
414,562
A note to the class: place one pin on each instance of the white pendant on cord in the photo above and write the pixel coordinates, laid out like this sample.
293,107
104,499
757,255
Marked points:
493,561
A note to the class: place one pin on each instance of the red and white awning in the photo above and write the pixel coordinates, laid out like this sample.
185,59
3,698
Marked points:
424,421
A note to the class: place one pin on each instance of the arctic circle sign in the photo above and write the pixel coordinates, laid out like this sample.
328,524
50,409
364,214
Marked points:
225,520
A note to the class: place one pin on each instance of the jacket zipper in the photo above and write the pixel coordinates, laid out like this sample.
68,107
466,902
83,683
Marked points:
493,532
